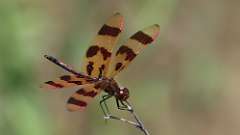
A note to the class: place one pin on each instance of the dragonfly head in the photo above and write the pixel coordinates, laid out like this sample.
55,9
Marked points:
122,94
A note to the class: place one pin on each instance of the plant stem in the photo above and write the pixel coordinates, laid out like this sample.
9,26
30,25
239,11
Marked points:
138,124
141,126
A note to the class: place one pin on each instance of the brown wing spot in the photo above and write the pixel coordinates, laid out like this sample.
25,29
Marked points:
90,80
84,93
101,69
142,38
90,67
118,66
92,51
75,82
130,55
105,53
91,94
65,77
54,84
76,102
108,30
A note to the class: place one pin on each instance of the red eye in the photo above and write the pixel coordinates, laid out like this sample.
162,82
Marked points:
123,94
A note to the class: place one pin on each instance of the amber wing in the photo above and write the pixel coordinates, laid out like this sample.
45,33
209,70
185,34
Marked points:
127,52
81,98
67,81
99,53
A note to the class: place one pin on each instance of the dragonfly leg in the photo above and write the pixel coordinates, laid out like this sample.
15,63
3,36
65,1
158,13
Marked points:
122,106
104,106
108,115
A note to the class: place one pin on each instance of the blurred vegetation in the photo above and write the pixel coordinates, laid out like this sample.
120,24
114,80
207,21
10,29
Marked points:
186,83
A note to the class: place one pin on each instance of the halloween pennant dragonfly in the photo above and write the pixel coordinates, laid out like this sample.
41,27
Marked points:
100,66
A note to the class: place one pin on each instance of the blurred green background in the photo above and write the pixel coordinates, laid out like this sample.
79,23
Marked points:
186,83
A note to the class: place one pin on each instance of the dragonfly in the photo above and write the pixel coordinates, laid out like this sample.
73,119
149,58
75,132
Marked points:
100,66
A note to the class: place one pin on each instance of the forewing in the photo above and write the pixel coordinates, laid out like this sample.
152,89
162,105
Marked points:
127,52
81,98
98,55
66,81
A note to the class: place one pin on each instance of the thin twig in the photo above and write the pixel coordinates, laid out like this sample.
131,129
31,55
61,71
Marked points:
123,120
141,126
139,123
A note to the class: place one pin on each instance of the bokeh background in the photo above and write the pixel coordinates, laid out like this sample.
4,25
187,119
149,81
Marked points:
186,83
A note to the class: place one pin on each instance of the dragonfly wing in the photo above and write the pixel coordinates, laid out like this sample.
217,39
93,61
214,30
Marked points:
134,45
81,98
67,81
98,55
